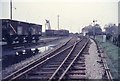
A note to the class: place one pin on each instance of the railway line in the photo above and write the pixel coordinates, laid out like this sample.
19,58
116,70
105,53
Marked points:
64,63
59,59
107,73
39,56
42,58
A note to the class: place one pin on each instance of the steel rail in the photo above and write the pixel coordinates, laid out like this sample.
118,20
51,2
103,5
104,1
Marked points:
53,75
60,78
18,73
40,63
107,70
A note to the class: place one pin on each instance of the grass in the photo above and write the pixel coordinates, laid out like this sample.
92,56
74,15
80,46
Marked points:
112,52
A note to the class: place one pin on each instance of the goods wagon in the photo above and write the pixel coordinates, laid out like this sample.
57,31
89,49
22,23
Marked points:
57,33
63,32
49,32
14,31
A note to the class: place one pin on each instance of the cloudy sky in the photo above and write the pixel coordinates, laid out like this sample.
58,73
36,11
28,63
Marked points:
74,14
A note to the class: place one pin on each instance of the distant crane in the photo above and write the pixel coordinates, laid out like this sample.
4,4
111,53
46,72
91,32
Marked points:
47,25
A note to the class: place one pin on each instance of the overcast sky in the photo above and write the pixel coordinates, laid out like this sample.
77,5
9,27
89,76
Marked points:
74,14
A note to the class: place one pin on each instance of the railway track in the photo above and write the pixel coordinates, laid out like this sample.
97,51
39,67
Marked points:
65,63
68,68
107,73
17,54
58,66
60,49
47,54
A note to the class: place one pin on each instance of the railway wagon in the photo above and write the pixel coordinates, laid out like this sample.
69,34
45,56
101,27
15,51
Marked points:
49,32
14,31
63,32
57,33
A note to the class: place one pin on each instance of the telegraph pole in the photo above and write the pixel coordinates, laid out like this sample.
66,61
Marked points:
58,22
11,9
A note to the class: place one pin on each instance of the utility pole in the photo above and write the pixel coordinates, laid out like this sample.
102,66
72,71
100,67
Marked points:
58,22
11,9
